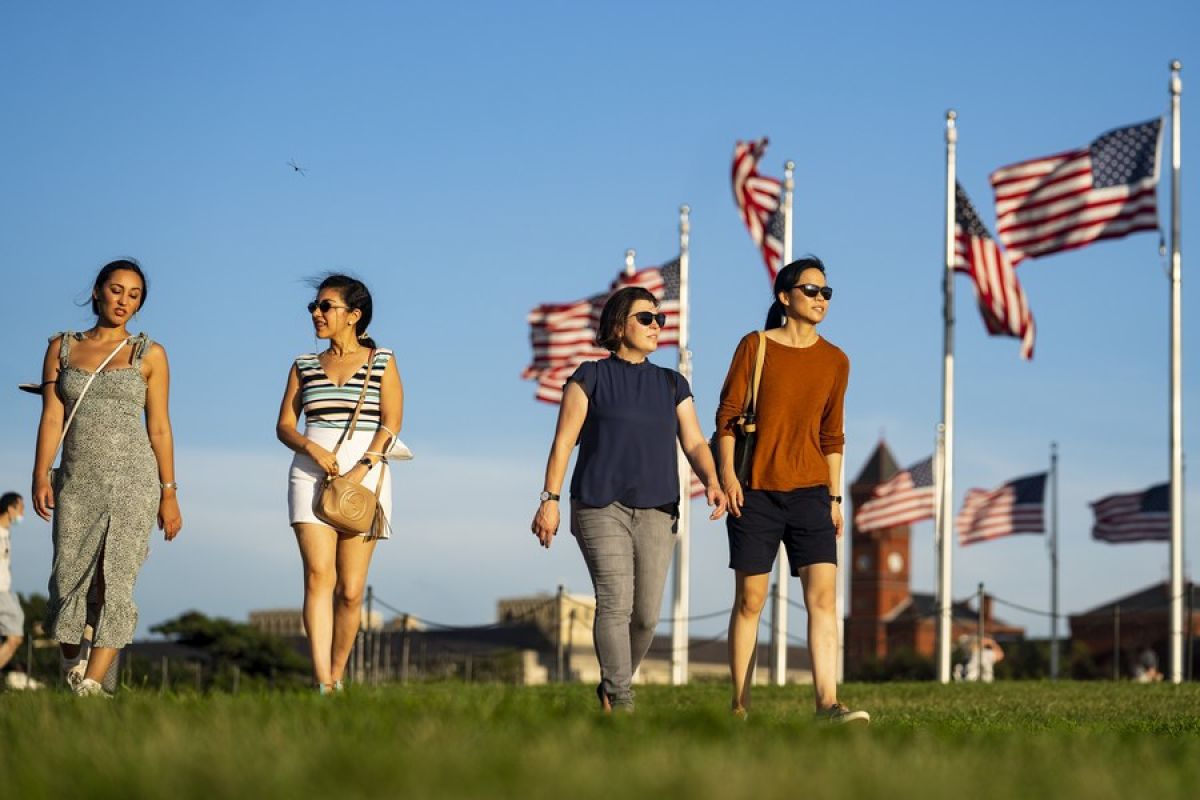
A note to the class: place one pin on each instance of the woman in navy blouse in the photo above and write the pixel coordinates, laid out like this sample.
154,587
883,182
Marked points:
626,414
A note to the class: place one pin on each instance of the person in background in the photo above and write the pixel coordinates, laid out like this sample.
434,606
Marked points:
12,618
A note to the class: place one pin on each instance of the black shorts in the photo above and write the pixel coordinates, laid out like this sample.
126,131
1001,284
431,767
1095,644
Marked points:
800,519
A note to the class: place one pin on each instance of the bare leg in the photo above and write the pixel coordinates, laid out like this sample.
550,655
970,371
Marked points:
353,559
9,648
820,583
99,660
318,550
750,594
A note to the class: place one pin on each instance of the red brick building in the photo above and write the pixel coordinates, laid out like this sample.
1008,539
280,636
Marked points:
884,614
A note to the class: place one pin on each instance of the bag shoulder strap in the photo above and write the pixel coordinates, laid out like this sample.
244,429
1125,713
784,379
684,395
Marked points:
362,396
67,425
759,358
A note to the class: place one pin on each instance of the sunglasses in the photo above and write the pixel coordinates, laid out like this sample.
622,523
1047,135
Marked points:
812,290
325,305
646,317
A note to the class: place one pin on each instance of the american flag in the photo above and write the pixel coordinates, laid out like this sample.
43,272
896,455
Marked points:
1137,517
1103,191
563,335
1016,507
1001,299
758,201
904,498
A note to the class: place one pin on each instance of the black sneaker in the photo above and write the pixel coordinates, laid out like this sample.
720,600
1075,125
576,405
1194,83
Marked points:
840,714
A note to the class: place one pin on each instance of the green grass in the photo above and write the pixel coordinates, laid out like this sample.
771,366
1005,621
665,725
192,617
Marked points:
1009,740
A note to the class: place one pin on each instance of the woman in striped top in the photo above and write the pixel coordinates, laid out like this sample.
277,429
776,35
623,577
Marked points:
325,387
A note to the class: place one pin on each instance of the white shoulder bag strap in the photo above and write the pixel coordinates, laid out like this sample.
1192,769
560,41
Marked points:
82,394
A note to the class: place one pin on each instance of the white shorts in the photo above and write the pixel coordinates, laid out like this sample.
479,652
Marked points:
305,477
12,618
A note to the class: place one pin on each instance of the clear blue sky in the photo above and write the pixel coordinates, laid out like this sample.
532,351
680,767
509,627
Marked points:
471,160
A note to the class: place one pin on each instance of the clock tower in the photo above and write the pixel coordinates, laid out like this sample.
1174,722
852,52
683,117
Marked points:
879,569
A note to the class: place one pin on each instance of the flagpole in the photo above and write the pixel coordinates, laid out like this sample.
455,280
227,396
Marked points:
945,519
1054,562
679,624
782,572
1176,501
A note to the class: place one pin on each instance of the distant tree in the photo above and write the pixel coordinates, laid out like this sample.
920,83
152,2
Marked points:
232,643
901,665
1025,659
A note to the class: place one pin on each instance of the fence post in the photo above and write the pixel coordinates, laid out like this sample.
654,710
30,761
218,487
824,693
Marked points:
979,634
558,638
165,676
404,652
1117,642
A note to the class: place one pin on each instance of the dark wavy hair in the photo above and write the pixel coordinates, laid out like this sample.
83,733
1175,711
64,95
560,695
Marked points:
106,272
784,281
616,311
356,295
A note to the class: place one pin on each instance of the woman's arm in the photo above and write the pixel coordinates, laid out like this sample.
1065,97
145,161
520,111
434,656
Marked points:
571,416
289,417
49,431
391,416
833,438
158,426
696,450
834,460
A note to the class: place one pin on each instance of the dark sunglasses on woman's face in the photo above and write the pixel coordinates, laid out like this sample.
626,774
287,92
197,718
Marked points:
325,305
646,317
812,290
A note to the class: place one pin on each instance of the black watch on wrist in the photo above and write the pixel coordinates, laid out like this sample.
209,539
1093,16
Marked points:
366,462
836,498
549,496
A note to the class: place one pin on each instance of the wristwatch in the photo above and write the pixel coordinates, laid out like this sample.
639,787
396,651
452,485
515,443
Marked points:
836,498
549,496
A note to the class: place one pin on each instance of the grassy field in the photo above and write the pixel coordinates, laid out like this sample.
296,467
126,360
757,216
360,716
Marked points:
1007,740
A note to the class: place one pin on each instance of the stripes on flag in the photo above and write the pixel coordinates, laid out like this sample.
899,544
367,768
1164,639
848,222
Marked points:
1016,507
1104,191
1135,517
904,498
758,202
1001,299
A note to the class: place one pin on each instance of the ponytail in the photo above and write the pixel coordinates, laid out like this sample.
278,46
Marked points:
775,316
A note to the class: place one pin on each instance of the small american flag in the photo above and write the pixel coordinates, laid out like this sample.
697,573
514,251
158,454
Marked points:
1016,507
904,498
1104,191
758,201
1137,517
1001,299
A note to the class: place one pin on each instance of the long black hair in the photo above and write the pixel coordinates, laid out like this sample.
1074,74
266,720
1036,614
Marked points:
616,311
106,272
784,281
355,294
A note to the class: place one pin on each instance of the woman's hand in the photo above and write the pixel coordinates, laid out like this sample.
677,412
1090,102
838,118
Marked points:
170,521
357,473
325,459
717,500
545,522
835,511
43,497
733,492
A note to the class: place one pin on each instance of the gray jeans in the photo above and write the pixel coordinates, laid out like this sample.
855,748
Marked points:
628,551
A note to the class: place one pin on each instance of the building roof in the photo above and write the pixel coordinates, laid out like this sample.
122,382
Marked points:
1153,598
920,605
879,467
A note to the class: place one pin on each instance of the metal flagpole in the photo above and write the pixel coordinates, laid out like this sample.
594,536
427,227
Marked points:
945,518
1053,542
779,628
839,602
679,624
1176,501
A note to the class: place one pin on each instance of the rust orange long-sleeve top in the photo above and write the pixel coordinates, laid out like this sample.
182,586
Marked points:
800,410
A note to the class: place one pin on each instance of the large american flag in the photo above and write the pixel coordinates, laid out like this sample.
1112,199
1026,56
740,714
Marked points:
904,498
1103,191
1001,299
563,335
758,201
1016,507
1135,517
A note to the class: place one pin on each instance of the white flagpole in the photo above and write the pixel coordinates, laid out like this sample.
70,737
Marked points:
779,631
1054,562
945,517
679,615
1176,501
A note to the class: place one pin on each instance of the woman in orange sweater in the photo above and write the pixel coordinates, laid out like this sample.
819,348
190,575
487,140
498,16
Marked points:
793,494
